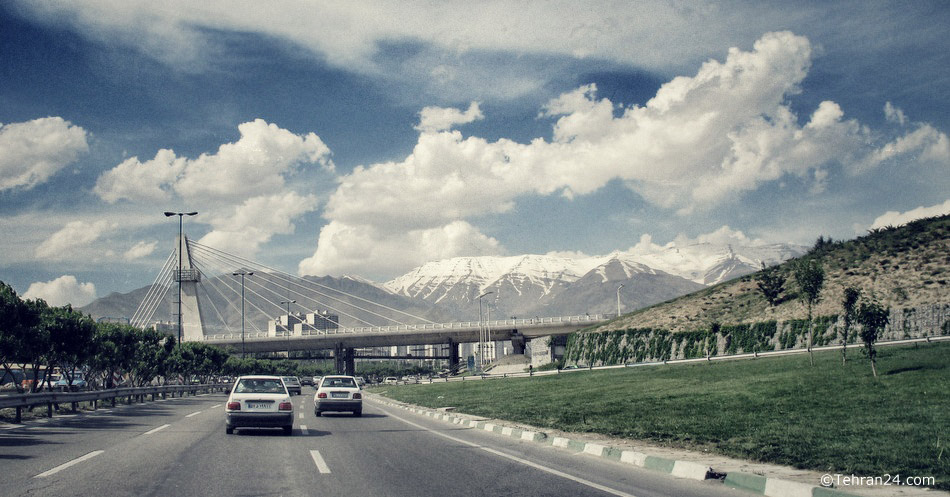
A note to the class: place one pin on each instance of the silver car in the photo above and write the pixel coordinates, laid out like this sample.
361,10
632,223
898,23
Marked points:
259,402
338,393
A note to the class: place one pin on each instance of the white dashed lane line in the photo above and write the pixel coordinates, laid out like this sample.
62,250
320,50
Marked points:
160,428
61,467
318,460
194,414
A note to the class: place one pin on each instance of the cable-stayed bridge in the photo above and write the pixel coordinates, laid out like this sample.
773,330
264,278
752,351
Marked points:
234,302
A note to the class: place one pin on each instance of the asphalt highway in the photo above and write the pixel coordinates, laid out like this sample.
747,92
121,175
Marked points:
179,447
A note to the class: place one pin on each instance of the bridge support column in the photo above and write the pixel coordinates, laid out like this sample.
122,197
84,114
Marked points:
345,362
518,342
453,355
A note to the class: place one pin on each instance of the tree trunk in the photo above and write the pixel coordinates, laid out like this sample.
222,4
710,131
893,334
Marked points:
873,368
811,356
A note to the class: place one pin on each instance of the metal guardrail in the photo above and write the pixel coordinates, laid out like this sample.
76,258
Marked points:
48,399
751,355
538,322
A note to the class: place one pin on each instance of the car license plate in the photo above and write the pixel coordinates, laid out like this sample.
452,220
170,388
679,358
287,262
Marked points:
258,405
339,395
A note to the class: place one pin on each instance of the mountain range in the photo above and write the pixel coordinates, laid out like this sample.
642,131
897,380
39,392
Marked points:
519,286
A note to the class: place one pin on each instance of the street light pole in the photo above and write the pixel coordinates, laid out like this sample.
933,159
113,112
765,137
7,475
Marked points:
618,299
481,347
242,273
288,302
180,215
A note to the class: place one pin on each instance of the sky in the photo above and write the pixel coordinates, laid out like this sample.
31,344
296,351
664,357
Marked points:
368,138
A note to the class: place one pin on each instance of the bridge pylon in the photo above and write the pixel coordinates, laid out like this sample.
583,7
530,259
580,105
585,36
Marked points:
191,320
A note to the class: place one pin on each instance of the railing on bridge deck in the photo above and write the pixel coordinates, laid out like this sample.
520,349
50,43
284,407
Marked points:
537,322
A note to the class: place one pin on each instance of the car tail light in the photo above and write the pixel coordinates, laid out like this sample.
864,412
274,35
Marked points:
357,396
285,406
234,406
322,395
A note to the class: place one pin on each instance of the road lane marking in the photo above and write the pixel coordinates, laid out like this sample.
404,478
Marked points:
303,430
301,415
160,428
526,462
61,467
318,460
194,414
216,405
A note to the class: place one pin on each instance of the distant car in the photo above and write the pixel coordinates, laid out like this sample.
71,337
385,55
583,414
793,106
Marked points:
361,381
63,383
293,384
391,380
259,402
338,393
306,381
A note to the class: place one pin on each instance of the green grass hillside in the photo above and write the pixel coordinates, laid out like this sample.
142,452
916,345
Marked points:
907,266
828,417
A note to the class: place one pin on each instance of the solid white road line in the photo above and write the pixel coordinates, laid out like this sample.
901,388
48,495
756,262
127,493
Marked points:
61,467
318,460
194,414
160,428
526,462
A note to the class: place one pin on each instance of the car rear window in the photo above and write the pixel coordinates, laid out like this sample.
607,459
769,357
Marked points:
259,386
339,382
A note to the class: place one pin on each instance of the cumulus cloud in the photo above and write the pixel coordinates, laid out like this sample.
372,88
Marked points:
259,161
244,228
894,218
75,235
372,249
701,141
140,250
31,152
441,119
61,291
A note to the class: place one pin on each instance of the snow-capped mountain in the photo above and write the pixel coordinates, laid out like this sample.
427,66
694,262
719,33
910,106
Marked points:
555,285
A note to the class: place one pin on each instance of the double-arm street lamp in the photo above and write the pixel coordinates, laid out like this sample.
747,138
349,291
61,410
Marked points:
242,273
178,274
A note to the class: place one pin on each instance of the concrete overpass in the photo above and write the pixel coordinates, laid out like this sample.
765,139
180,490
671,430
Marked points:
343,340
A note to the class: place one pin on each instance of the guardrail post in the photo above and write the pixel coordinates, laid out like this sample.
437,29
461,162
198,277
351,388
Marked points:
19,416
49,409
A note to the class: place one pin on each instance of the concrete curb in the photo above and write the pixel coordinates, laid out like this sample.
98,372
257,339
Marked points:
771,487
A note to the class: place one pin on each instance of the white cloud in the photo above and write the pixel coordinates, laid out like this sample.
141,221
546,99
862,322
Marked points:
700,142
33,151
373,250
258,162
61,291
441,119
894,218
140,250
76,235
244,228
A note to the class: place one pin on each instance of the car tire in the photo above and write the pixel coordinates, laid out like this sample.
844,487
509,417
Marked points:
288,430
229,430
358,412
316,412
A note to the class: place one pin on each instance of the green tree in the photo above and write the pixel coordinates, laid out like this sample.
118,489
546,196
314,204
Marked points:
810,277
771,283
19,343
873,319
71,339
850,305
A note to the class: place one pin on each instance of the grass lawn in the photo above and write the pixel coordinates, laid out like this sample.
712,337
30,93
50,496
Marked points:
830,417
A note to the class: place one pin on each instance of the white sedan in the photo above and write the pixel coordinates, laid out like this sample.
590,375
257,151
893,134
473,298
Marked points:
259,402
338,393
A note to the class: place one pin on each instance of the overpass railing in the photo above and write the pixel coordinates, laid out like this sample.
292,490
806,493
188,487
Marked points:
536,322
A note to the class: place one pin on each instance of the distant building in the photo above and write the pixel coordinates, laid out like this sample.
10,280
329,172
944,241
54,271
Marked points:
299,324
